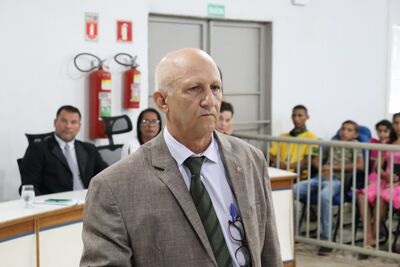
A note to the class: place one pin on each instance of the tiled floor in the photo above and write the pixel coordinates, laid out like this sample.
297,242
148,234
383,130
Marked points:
306,256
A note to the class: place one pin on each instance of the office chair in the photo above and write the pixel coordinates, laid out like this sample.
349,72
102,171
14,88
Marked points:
33,138
111,153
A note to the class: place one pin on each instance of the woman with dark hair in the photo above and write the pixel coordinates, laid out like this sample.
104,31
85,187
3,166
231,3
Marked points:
148,126
225,120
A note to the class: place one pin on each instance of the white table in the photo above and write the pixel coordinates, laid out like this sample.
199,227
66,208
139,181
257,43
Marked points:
45,235
282,196
51,235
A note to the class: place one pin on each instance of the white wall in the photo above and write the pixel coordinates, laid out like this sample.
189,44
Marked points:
330,55
39,40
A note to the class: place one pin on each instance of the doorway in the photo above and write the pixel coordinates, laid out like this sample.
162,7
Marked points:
241,49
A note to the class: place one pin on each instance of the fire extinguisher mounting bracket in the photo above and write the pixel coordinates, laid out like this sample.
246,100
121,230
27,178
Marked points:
128,58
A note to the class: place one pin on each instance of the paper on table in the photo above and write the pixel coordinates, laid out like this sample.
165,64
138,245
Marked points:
57,201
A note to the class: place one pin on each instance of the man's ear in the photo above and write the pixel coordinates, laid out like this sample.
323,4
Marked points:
160,99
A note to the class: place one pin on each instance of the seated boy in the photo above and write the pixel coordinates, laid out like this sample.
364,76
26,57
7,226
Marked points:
330,186
291,152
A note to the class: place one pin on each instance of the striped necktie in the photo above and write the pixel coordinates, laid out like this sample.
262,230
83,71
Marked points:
207,213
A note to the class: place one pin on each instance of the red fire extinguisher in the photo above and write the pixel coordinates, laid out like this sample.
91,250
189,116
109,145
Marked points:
132,80
99,95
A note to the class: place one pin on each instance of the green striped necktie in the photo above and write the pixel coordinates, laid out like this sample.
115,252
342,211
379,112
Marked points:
207,214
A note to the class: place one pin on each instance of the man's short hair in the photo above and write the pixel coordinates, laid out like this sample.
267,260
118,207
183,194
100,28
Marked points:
69,108
355,124
226,106
300,107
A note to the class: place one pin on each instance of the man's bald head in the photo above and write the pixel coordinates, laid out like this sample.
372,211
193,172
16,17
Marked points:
174,65
189,93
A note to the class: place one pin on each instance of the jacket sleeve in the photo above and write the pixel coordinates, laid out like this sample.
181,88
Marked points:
32,167
105,239
271,252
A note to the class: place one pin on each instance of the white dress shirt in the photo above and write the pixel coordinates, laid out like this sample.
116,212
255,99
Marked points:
214,179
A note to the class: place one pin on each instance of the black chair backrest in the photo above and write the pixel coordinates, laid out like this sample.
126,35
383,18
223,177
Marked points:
116,125
110,153
34,138
19,162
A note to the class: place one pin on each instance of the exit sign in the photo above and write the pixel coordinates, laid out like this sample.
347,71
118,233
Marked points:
216,11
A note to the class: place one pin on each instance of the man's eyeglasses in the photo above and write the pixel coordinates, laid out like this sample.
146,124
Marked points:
148,122
236,231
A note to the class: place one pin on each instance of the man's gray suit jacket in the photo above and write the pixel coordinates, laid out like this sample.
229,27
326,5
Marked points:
139,212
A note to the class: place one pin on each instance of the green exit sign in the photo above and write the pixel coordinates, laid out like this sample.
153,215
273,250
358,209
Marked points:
216,11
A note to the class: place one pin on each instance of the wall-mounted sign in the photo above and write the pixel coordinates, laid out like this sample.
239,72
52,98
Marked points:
216,11
91,27
124,31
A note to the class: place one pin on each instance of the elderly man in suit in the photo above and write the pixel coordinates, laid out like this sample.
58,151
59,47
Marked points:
191,196
61,163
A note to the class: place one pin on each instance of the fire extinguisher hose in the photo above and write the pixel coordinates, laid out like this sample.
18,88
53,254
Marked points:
132,60
93,67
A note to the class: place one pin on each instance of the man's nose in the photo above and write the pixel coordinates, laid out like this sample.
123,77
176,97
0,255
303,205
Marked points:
208,98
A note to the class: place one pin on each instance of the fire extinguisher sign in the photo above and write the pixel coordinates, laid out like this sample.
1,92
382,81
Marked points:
91,27
124,31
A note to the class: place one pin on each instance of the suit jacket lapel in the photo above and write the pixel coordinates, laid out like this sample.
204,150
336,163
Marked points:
236,174
171,176
56,151
81,157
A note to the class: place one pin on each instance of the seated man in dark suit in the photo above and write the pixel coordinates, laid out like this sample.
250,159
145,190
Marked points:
61,163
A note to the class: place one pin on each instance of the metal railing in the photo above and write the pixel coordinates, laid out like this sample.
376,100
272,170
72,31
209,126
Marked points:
347,208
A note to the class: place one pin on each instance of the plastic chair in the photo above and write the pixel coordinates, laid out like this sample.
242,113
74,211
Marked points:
111,153
364,134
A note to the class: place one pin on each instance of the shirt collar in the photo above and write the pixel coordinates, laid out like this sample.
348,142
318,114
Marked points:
180,152
62,143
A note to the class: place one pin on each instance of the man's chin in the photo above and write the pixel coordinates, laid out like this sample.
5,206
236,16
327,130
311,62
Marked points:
67,139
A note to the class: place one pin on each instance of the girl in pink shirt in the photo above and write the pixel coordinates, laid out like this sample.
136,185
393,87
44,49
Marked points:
371,191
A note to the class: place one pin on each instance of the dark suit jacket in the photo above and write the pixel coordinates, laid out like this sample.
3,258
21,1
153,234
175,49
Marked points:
45,166
139,211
